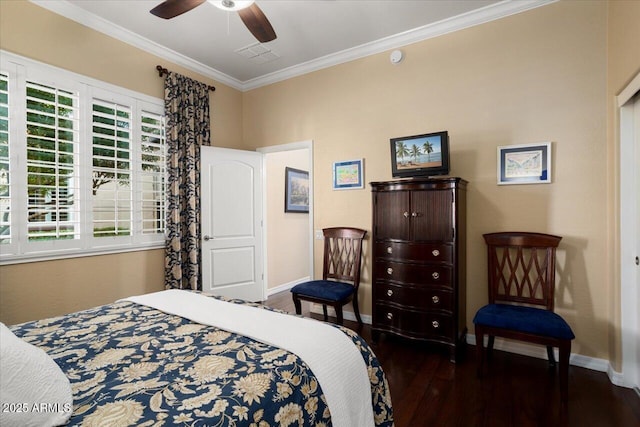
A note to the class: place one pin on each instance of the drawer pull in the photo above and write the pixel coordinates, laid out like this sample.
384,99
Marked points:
435,275
435,299
389,250
435,252
389,316
435,324
406,214
389,270
389,292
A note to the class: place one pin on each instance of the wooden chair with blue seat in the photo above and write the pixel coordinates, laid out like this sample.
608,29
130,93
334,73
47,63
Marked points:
521,298
340,273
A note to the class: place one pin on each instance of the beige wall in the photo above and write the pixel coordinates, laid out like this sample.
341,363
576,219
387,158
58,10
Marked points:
532,77
287,233
623,55
37,290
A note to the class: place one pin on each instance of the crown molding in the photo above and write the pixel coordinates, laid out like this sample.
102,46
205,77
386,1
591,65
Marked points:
466,20
469,19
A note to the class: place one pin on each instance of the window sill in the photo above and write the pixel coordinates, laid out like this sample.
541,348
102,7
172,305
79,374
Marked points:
52,256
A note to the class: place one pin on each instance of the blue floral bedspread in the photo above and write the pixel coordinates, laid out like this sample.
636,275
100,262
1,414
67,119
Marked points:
129,364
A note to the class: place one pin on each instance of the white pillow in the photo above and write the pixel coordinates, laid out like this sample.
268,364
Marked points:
33,389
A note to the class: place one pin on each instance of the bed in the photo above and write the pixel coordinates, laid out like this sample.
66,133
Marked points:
187,358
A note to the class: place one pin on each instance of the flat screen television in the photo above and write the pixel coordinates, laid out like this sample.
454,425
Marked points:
420,155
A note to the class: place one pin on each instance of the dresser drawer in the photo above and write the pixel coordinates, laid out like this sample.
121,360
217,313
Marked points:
421,252
414,323
424,298
412,273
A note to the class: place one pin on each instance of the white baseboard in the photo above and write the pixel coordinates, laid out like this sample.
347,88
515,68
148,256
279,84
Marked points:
540,352
286,286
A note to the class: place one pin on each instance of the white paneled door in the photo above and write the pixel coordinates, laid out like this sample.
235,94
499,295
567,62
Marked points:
232,258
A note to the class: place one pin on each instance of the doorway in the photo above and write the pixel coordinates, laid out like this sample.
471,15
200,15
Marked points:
288,243
629,109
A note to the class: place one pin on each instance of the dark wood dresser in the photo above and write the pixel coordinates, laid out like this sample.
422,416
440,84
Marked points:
419,257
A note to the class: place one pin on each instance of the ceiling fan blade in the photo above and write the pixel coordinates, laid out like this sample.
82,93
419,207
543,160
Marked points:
257,23
172,8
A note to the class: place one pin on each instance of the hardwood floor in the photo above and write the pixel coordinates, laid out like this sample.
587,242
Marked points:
428,390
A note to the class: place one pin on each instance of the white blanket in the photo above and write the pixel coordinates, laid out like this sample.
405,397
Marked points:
331,355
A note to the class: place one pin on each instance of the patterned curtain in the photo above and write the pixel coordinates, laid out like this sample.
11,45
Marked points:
187,128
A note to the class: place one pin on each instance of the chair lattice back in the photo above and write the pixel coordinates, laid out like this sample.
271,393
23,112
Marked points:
522,268
342,254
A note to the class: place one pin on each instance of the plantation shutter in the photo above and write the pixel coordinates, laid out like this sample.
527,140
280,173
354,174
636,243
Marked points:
52,172
5,188
111,189
152,177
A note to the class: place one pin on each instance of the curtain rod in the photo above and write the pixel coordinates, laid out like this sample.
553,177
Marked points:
162,71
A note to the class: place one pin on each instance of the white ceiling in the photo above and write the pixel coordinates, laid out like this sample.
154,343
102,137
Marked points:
312,34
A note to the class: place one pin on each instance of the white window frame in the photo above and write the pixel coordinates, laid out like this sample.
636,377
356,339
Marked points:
19,70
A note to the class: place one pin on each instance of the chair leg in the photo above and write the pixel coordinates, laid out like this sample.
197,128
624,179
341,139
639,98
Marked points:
298,304
338,309
551,356
324,311
356,309
490,343
479,351
564,353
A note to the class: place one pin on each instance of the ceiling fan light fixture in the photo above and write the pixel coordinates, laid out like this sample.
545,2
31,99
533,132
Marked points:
232,5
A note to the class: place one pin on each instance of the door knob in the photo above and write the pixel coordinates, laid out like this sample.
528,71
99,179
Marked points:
207,238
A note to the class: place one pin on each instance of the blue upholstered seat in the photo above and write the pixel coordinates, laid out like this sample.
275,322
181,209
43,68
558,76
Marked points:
524,319
325,289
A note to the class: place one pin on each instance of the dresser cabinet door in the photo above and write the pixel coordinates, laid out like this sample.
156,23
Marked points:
391,212
432,215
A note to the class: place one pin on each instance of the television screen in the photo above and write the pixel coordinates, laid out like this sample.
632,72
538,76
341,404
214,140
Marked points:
420,155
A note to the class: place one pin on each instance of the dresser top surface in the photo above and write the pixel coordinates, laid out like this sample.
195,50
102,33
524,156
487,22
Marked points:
433,182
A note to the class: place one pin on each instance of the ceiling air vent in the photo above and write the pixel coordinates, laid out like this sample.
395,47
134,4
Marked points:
257,53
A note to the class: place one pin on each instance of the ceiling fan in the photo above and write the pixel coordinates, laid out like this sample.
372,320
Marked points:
249,12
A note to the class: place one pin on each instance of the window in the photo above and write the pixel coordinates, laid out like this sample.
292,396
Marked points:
82,165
